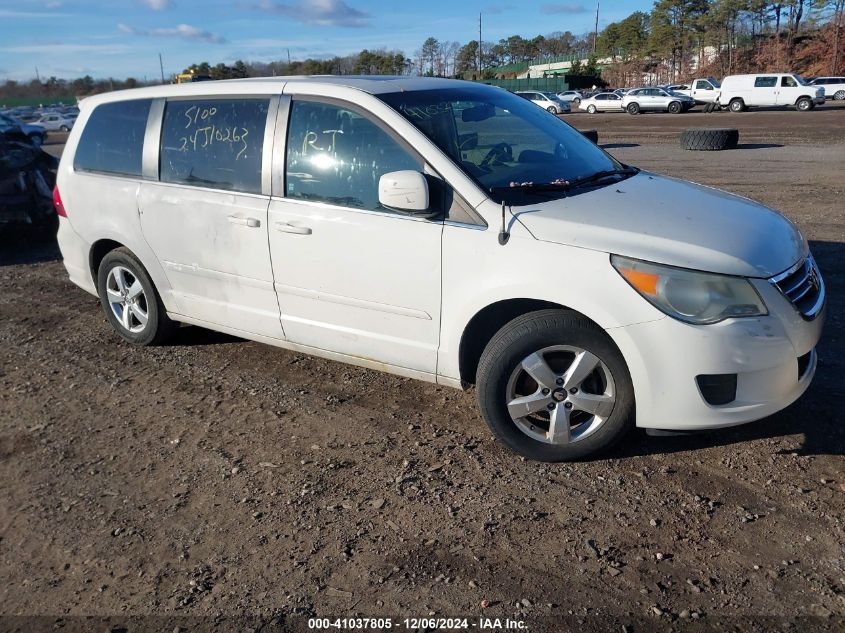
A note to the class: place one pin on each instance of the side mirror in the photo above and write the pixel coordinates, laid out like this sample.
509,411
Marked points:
405,190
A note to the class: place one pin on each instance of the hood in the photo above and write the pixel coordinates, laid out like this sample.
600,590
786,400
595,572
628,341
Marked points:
674,222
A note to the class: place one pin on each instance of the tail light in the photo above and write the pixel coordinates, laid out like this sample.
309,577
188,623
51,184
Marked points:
57,202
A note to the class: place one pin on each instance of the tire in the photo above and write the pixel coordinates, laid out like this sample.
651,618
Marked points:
633,108
675,107
709,139
577,102
591,109
737,105
560,336
552,109
64,128
593,135
839,95
158,327
804,104
36,139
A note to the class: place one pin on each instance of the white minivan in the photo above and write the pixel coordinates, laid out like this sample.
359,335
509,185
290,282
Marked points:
446,231
739,92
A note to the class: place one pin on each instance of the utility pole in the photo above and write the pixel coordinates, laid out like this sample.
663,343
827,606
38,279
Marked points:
37,76
288,60
479,45
596,31
161,67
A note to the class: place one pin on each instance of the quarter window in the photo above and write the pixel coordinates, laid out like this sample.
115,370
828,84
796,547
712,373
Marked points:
765,82
113,139
216,143
337,155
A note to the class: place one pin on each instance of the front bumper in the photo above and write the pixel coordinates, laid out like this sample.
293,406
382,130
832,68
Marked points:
665,356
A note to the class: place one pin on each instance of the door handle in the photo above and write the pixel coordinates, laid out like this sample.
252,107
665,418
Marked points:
284,227
250,222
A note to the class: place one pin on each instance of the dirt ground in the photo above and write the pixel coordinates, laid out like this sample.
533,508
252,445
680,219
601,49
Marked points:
217,478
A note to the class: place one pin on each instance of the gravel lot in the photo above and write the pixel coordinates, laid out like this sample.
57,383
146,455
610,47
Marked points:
216,477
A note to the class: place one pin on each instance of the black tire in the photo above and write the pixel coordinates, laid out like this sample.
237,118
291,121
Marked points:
159,326
526,335
633,108
64,128
36,139
709,139
839,95
593,135
552,109
675,107
591,109
736,105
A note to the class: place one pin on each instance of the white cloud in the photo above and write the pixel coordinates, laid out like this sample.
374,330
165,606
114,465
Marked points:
157,5
319,12
552,9
184,31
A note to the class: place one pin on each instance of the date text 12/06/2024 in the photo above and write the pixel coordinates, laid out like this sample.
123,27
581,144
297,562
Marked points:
429,623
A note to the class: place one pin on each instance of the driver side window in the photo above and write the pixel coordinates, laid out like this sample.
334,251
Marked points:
337,155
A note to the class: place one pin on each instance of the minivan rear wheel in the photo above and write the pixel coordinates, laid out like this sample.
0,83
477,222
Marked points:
130,301
553,387
839,95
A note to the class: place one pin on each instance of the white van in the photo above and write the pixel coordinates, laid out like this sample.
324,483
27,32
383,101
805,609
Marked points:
739,92
446,231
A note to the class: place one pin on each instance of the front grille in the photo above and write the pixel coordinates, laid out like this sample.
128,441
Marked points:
803,286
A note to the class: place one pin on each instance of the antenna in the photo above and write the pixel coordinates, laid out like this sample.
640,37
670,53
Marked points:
479,45
504,235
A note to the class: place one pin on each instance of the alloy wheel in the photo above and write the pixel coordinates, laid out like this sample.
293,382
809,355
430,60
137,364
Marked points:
560,394
127,299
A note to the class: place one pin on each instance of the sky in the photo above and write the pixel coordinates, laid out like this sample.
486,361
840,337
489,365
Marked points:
123,38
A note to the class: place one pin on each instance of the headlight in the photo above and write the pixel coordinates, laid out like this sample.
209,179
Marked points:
689,295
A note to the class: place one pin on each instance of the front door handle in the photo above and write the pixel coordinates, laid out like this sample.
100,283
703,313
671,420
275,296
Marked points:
284,227
250,222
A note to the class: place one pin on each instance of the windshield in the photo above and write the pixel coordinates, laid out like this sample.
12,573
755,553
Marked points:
714,82
500,140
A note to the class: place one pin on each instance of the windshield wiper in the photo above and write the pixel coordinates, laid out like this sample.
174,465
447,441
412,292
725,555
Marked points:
600,175
562,184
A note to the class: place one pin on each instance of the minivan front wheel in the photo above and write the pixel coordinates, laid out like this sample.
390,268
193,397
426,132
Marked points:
736,105
553,387
130,301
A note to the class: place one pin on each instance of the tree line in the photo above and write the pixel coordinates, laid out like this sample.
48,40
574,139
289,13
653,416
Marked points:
675,39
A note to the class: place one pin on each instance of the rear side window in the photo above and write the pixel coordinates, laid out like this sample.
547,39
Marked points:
113,139
215,143
765,82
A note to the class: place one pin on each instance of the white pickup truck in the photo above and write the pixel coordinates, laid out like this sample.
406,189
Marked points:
703,90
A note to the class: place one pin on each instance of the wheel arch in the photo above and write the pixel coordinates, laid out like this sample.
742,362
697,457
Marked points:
98,251
490,319
803,97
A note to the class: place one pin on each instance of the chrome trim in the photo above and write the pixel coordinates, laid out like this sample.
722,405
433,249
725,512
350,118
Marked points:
317,204
267,148
465,225
152,139
812,277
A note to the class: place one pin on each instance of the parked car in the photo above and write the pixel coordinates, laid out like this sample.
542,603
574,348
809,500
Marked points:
739,92
333,216
56,121
546,100
656,100
603,102
703,90
35,133
570,96
834,87
620,92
